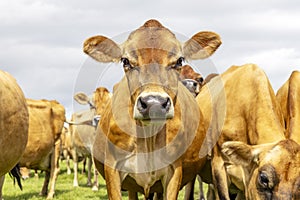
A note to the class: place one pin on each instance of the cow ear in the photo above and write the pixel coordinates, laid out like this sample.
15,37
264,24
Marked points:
238,152
201,45
244,154
102,49
81,98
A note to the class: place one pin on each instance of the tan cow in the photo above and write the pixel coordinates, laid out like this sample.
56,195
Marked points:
288,97
146,139
13,124
46,120
246,113
82,131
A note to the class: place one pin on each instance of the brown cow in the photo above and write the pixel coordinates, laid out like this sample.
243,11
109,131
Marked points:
192,80
147,140
243,108
82,131
46,120
13,124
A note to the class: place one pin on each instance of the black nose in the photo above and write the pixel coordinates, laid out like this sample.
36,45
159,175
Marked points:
153,106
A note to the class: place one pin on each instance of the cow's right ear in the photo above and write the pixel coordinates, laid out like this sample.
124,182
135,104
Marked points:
102,49
243,154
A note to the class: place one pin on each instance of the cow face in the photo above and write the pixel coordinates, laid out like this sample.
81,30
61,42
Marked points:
151,58
192,80
275,168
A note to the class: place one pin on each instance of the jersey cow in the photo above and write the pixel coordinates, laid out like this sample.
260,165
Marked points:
147,139
13,124
46,120
246,124
288,97
82,130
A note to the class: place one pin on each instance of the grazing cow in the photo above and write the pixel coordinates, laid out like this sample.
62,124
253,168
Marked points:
13,124
240,107
149,137
46,120
82,131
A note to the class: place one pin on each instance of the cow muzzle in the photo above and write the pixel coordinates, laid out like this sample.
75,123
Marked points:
192,85
153,106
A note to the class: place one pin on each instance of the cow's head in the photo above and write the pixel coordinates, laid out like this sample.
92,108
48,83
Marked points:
192,80
274,168
151,58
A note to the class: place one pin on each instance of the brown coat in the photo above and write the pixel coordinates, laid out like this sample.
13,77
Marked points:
46,120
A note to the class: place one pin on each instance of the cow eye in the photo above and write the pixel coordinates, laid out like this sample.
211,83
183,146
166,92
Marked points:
199,80
126,63
179,62
264,180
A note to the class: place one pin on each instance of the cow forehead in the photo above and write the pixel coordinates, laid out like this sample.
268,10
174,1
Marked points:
285,158
152,44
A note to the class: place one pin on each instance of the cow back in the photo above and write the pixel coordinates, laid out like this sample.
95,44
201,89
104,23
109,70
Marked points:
13,122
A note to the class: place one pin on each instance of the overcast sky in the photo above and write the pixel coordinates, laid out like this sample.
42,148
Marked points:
41,40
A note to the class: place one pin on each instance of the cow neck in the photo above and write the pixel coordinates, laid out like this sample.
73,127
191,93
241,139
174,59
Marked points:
150,137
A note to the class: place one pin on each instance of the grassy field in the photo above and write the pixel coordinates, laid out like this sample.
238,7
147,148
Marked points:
64,188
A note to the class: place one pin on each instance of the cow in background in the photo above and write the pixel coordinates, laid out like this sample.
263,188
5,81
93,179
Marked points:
14,122
82,129
46,120
288,97
245,131
192,80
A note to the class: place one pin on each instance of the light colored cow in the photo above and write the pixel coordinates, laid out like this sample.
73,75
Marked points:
82,131
13,124
46,120
146,139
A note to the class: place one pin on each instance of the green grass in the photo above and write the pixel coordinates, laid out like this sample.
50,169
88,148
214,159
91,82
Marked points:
64,188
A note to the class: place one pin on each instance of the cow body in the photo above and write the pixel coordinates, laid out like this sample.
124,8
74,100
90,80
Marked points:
46,119
288,97
82,131
246,111
150,134
13,124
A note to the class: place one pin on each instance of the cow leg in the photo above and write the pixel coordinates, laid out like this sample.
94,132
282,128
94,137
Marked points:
210,192
89,182
1,185
113,183
68,165
95,184
132,195
75,166
219,176
83,166
201,192
189,190
44,191
172,184
54,169
158,196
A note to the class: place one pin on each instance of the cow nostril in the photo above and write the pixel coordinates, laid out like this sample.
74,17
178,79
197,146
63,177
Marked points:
142,105
166,105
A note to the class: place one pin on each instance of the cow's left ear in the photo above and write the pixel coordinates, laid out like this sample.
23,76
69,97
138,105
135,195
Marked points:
243,154
81,98
102,49
201,45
